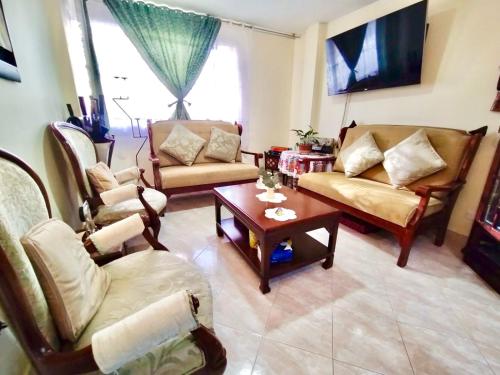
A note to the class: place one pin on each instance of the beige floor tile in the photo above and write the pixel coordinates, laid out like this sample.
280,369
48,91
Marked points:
340,368
279,359
369,341
433,352
301,321
241,348
483,325
492,356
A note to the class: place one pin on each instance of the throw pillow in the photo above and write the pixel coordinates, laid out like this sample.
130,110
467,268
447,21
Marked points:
101,177
71,281
183,145
412,159
223,145
361,155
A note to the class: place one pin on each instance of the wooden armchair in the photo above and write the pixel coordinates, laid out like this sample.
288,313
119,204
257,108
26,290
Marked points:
154,274
80,153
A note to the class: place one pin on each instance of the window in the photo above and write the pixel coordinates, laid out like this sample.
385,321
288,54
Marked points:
127,79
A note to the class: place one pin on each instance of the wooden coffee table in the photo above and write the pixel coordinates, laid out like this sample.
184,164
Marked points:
248,213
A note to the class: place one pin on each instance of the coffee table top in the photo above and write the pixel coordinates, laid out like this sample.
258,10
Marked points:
242,198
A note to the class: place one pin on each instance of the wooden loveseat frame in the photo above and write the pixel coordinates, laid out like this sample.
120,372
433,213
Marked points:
418,223
155,160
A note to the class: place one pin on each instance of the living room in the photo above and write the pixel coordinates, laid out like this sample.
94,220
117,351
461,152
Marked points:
401,289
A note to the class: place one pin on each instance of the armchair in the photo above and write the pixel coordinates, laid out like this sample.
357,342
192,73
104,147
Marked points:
157,276
80,153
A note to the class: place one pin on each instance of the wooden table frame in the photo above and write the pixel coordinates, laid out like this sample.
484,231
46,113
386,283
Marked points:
236,230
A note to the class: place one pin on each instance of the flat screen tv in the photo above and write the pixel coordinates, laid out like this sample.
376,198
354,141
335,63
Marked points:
385,52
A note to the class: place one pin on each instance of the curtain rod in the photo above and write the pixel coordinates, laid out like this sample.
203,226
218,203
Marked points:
230,21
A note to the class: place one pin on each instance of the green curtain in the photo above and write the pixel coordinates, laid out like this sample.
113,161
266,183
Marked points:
175,44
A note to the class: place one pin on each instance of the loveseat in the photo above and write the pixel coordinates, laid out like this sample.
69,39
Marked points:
370,197
172,177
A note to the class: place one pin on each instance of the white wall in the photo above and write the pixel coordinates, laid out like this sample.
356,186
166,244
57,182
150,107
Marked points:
460,71
46,85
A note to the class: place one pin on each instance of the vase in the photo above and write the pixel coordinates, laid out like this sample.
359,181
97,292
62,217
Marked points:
305,148
269,193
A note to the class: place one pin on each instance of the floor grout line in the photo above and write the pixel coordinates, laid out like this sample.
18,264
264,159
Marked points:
406,349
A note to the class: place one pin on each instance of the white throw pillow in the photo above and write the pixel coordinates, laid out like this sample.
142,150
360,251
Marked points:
73,284
183,144
361,155
223,145
412,159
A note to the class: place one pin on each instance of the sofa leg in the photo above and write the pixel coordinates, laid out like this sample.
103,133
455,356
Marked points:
440,235
405,242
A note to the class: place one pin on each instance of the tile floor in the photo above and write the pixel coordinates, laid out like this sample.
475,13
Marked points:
365,315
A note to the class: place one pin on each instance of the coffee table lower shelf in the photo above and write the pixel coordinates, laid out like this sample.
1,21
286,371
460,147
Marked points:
306,250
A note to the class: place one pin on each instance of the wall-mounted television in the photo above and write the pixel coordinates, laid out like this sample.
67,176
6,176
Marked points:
385,52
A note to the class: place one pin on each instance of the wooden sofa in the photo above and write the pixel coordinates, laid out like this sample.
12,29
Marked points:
172,177
427,202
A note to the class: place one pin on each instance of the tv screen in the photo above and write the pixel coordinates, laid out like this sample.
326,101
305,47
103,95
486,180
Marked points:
385,52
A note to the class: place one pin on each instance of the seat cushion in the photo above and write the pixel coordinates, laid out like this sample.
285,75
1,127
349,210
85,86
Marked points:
207,173
109,214
375,198
140,279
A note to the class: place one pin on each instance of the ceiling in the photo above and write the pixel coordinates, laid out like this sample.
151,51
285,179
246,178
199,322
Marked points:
289,16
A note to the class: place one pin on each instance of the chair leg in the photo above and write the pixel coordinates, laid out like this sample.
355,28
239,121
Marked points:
405,242
215,354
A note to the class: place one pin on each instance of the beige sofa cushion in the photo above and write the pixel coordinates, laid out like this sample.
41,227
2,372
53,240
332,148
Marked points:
223,145
412,159
101,177
374,198
206,173
361,155
161,129
183,145
72,283
450,144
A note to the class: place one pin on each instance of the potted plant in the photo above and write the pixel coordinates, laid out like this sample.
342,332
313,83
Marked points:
306,139
270,181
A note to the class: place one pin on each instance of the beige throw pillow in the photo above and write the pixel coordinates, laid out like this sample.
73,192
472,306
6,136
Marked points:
71,281
183,145
223,145
361,155
101,177
412,159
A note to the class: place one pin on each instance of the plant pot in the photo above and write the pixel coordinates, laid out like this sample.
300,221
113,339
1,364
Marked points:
270,193
305,148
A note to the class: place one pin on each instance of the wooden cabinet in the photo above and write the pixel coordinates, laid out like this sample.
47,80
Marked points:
482,252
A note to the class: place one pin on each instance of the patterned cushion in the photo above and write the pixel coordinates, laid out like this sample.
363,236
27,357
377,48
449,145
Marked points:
73,284
153,274
109,214
361,155
101,177
183,145
223,145
412,159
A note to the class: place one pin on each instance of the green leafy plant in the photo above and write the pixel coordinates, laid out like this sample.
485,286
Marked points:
306,137
269,179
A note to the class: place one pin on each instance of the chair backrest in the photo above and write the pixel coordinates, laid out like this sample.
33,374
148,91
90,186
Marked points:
80,153
23,204
160,130
454,146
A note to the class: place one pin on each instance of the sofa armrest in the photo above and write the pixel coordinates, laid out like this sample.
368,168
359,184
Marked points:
156,172
307,161
132,337
427,190
256,156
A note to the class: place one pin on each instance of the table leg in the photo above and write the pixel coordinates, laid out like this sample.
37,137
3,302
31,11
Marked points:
332,240
265,258
218,205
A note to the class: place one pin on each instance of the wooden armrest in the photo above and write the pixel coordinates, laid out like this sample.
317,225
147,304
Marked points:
156,171
143,179
155,160
70,362
256,156
427,190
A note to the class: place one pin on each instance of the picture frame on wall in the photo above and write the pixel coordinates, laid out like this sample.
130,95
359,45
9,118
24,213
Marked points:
8,64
